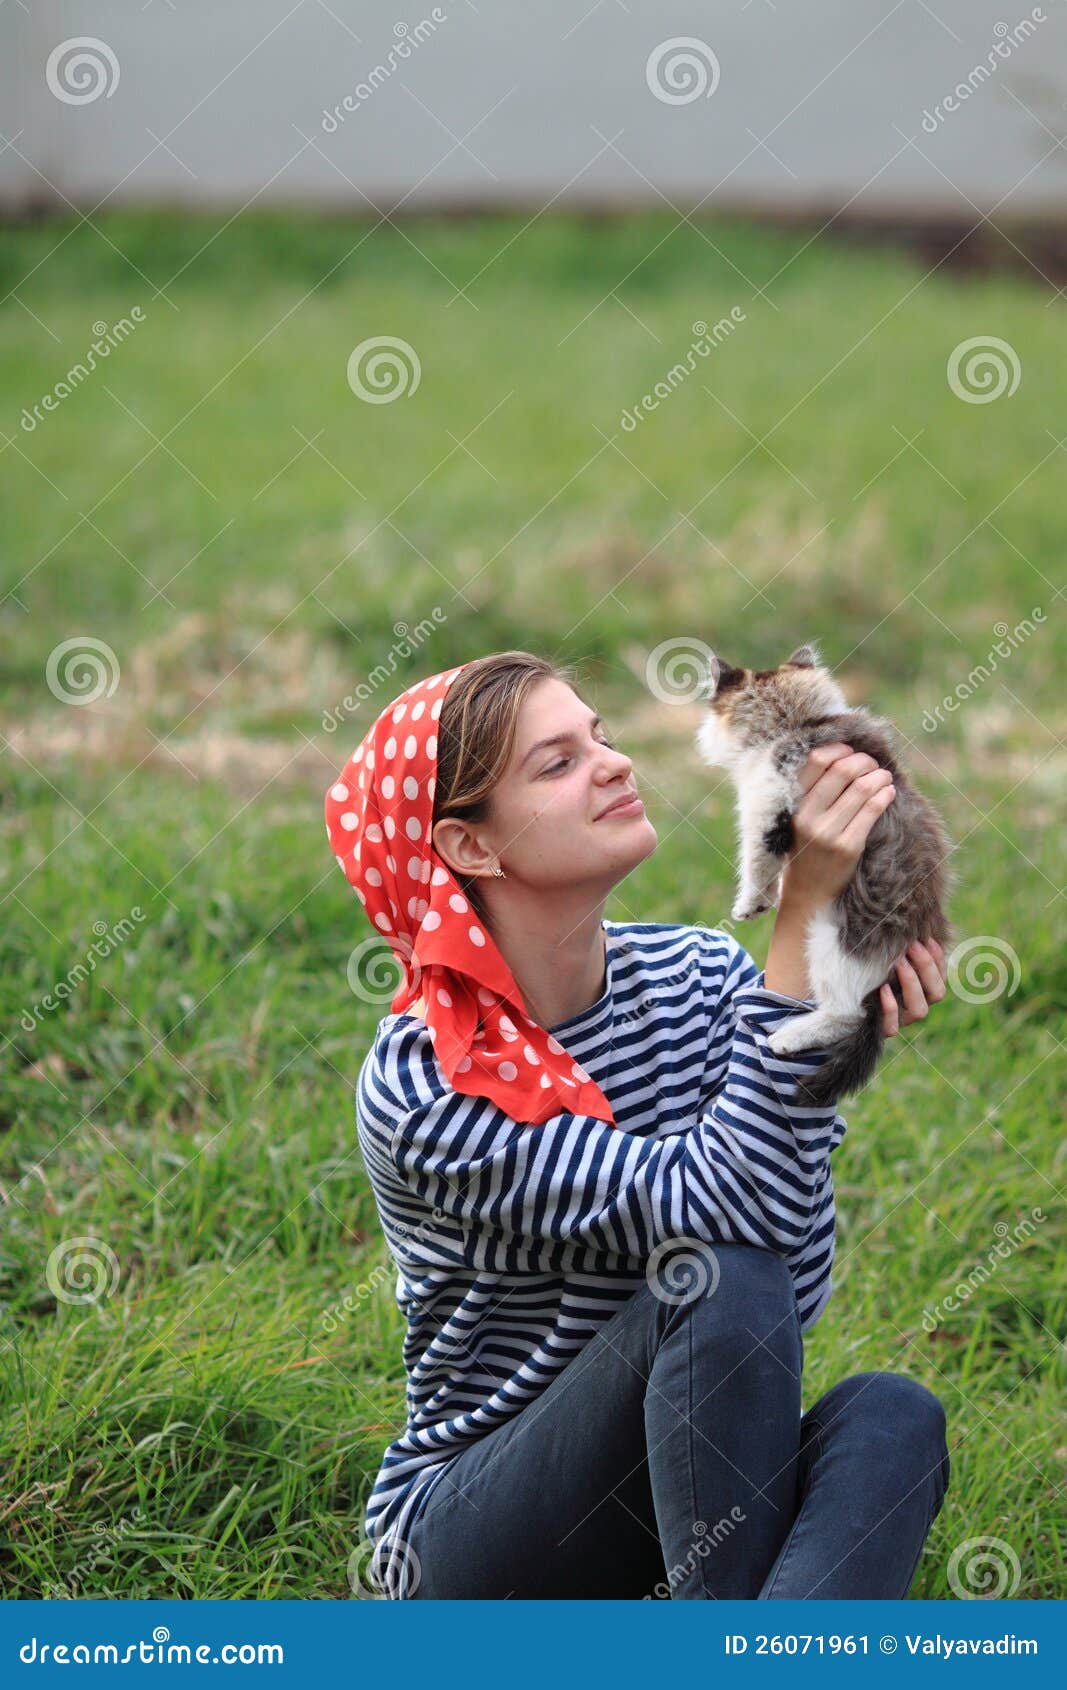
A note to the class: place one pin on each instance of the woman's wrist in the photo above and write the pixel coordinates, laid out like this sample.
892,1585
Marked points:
786,970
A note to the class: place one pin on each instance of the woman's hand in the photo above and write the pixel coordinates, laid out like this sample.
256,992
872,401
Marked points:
845,792
922,981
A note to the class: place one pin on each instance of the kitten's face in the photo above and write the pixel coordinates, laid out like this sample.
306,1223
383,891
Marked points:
753,707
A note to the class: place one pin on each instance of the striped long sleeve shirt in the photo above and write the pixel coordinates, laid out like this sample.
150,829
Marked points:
514,1243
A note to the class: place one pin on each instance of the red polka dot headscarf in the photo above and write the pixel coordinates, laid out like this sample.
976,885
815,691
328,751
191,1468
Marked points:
379,816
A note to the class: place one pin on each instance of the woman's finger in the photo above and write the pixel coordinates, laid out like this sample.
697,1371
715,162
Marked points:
853,839
915,1005
939,953
925,965
818,761
855,795
890,1017
837,779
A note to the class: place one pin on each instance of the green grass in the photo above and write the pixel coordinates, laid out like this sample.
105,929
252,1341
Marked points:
190,1103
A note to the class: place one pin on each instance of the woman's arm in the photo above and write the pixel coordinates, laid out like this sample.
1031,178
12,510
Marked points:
573,1191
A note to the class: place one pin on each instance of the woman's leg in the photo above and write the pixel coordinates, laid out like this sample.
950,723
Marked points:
664,1455
874,1469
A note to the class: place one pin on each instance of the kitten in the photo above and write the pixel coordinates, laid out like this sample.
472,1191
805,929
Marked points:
760,726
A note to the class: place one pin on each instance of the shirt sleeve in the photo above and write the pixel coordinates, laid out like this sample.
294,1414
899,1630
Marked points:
575,1192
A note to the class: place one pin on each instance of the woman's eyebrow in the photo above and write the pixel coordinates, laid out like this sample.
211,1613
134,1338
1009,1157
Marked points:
557,739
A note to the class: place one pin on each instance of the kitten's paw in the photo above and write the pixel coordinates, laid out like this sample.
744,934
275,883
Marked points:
748,908
793,1036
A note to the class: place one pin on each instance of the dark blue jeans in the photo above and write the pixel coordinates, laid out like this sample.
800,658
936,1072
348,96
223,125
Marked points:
671,1458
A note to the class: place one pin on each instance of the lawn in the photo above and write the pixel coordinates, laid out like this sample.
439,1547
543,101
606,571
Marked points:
184,1411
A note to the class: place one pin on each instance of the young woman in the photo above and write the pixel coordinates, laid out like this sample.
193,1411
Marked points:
611,1218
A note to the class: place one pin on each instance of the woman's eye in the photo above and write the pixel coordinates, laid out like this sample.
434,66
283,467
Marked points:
563,761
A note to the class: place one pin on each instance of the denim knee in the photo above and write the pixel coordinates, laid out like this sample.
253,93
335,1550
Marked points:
900,1411
746,1300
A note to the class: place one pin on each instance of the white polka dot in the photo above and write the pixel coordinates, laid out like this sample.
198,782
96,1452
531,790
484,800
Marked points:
414,867
439,877
435,708
566,1081
554,1046
425,875
374,877
370,758
411,787
444,998
398,714
431,788
349,821
389,826
417,710
508,1071
507,1028
389,748
374,834
580,1074
362,896
463,1064
390,863
432,920
411,745
339,861
530,1054
382,920
485,996
339,792
412,902
545,1081
357,755
388,786
458,902
421,907
431,746
392,906
477,937
412,828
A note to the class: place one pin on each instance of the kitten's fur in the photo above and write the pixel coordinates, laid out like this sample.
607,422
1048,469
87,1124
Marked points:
760,726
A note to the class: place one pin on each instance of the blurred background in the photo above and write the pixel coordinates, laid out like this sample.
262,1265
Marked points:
338,347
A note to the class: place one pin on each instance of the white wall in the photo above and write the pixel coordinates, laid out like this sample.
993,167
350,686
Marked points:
833,87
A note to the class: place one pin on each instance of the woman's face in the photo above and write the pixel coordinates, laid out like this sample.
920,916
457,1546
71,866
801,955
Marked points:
548,827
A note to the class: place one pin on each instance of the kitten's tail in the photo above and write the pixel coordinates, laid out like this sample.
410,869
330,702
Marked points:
852,1063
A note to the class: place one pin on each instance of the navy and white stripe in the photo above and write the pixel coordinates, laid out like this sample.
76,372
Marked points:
514,1243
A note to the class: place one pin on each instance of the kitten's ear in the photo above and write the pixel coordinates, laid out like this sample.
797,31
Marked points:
805,657
718,675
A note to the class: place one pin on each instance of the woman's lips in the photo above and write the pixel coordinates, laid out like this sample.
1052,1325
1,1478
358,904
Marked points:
632,807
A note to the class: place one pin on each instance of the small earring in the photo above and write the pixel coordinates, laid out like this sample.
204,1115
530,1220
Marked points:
499,872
